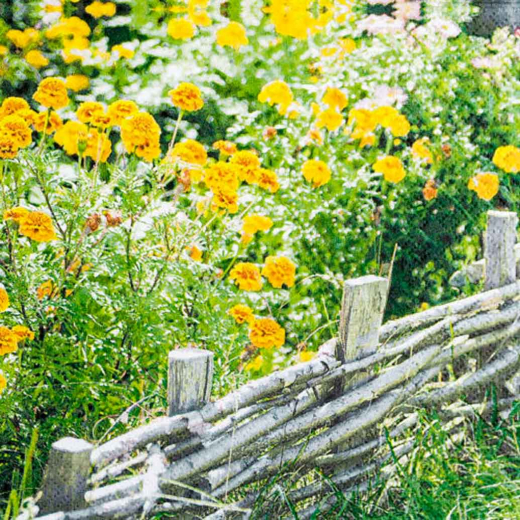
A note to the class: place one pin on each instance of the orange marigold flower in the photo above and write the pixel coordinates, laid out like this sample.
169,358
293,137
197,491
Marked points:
52,93
121,110
23,332
51,123
47,290
4,299
254,223
266,333
268,180
77,82
8,148
391,167
248,166
334,98
38,226
233,35
485,185
187,97
226,147
507,158
181,28
222,176
15,128
269,132
279,270
140,134
16,214
190,151
8,341
247,276
195,253
242,313
12,105
430,190
88,109
316,172
223,198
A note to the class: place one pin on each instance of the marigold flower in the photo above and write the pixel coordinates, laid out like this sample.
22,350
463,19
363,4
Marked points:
121,110
266,333
485,185
247,276
98,9
8,341
276,93
421,151
88,109
36,59
242,313
50,122
226,147
195,253
269,133
190,151
316,172
391,167
47,290
181,29
123,52
248,166
12,105
187,97
4,299
222,175
77,82
73,26
23,332
38,227
15,128
8,148
268,180
23,39
233,35
334,98
16,214
52,93
70,135
3,383
99,146
507,158
255,364
279,270
330,119
226,199
347,46
140,134
430,190
254,223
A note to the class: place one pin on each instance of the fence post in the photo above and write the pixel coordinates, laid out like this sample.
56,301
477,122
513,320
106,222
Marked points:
190,373
364,301
499,249
66,475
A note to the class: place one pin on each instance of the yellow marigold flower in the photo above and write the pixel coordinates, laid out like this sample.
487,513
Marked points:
485,185
52,93
38,226
16,129
47,290
507,158
276,93
315,135
8,148
181,29
36,59
8,341
330,119
400,127
242,314
187,97
13,105
347,46
385,115
279,270
248,165
233,35
226,147
53,120
140,134
421,151
316,172
99,146
391,167
70,135
255,364
121,110
195,253
4,299
430,190
24,38
335,98
222,175
363,120
254,223
98,9
77,82
88,109
247,276
3,383
306,356
3,50
16,214
73,26
123,51
226,199
23,332
190,151
268,180
266,333
101,120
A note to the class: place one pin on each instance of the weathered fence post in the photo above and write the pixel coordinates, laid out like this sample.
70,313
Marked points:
190,373
66,475
499,249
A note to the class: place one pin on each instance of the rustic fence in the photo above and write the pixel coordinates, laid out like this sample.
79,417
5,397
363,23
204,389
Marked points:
336,413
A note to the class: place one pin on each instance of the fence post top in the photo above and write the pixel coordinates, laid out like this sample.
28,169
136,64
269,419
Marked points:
72,445
365,280
495,213
181,354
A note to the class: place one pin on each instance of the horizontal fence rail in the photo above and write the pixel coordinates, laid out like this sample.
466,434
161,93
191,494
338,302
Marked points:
336,413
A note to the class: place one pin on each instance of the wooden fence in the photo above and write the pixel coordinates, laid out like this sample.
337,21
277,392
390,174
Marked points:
335,413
